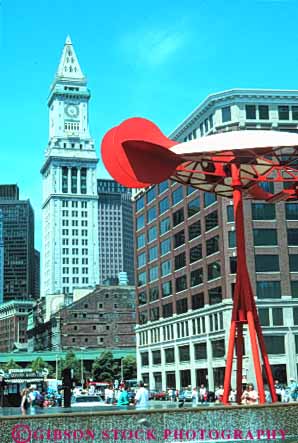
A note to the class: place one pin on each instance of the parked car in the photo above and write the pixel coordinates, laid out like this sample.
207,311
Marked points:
161,395
152,393
86,401
185,395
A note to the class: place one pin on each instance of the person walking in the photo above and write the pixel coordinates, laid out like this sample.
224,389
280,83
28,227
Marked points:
25,403
123,399
194,396
142,396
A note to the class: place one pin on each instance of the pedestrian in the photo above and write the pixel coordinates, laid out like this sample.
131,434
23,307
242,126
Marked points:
293,389
25,403
249,396
123,397
194,396
110,395
174,395
202,393
278,387
142,396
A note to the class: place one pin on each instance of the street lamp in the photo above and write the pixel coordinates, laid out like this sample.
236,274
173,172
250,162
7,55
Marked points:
82,366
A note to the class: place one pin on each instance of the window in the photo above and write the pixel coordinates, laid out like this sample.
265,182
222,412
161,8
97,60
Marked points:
140,241
213,270
156,359
230,213
263,211
195,253
140,222
196,277
268,289
233,265
140,203
153,273
166,288
206,124
211,221
193,207
197,301
64,180
184,353
180,261
144,359
277,316
293,262
170,355
152,252
143,317
209,198
294,289
151,194
178,217
200,351
265,237
226,114
293,237
165,246
142,280
264,316
152,234
167,310
232,239
294,112
177,195
295,315
164,205
179,239
153,293
212,245
83,181
250,111
166,268
154,313
283,113
267,263
142,297
141,260
163,186
151,214
215,295
275,344
181,283
218,348
181,306
194,230
164,225
190,189
263,112
291,211
74,175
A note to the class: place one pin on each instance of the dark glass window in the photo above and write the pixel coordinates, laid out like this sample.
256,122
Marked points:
178,217
264,316
194,230
263,211
230,213
142,280
181,306
180,261
212,245
152,234
64,180
179,239
294,112
141,241
166,268
151,194
267,186
209,198
232,239
143,317
170,355
151,214
293,261
153,293
213,270
283,113
195,253
291,211
218,348
83,181
144,359
263,112
206,124
154,313
141,259
200,351
177,195
152,252
295,315
140,222
293,237
163,186
275,344
164,225
190,189
142,298
164,205
268,289
167,310
193,207
184,353
250,111
265,237
181,283
74,180
211,221
166,288
233,265
294,288
165,246
156,358
197,301
226,114
196,277
140,203
215,295
267,263
277,317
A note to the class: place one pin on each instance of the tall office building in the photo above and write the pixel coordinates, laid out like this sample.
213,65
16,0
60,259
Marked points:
115,231
18,245
70,202
1,258
186,259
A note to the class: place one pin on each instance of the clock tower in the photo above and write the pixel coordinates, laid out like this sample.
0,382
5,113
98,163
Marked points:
70,206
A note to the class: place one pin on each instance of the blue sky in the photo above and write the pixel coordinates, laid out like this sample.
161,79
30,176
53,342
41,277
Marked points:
156,59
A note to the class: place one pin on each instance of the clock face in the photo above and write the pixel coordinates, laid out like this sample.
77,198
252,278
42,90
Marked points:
72,110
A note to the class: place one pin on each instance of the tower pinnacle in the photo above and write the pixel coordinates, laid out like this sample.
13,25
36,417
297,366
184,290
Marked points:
69,67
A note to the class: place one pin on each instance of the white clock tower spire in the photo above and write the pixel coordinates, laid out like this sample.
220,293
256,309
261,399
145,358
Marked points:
70,207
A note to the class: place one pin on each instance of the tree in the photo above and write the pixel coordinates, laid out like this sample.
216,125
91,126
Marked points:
71,362
11,364
129,367
39,364
105,368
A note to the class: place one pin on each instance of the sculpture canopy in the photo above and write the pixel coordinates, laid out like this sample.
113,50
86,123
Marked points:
137,154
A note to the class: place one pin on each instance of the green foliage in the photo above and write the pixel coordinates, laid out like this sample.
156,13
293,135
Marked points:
104,368
129,367
11,364
71,362
39,364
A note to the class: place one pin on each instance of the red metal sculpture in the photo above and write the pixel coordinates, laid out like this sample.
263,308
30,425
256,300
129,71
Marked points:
230,164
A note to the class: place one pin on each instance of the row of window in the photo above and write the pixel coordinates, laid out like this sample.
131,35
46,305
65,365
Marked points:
73,204
266,211
74,180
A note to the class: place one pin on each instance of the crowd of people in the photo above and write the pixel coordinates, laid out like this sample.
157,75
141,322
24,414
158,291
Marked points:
32,397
